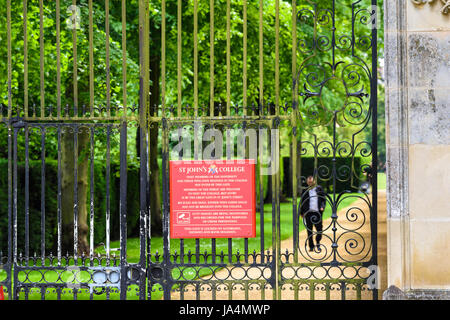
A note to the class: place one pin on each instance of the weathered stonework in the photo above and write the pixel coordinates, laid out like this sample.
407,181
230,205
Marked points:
428,59
417,72
446,4
429,116
425,17
394,293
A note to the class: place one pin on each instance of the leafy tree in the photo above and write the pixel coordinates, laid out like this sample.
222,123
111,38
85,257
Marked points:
67,94
316,113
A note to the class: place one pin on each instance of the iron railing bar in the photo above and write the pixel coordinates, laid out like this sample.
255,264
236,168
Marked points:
277,57
124,57
224,264
327,291
343,290
333,35
275,220
353,30
91,60
197,245
211,58
73,124
278,211
10,210
358,291
25,57
334,174
143,127
216,119
108,194
197,291
92,198
263,291
75,61
229,155
113,119
179,57
108,69
295,285
197,250
68,119
182,251
43,134
75,195
58,59
15,235
213,240
123,210
27,195
374,107
181,291
261,193
261,59
295,132
180,157
228,60
295,217
244,71
213,250
244,142
148,219
246,286
163,57
41,56
195,58
9,63
59,198
166,208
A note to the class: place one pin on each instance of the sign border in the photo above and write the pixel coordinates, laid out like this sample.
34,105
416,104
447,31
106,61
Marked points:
253,213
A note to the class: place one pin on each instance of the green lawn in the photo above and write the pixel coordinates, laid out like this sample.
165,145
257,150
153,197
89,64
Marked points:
189,244
382,181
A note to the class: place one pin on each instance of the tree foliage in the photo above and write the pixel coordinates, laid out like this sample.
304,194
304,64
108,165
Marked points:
316,112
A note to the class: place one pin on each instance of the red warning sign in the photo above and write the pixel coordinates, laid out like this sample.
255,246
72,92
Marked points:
212,199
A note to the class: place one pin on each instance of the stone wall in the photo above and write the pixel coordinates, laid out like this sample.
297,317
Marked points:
417,51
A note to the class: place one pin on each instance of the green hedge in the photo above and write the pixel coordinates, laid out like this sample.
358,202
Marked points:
51,188
348,172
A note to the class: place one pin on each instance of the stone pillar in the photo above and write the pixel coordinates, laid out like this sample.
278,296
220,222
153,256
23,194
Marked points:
417,53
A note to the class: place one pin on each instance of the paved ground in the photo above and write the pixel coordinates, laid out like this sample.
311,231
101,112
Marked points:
354,239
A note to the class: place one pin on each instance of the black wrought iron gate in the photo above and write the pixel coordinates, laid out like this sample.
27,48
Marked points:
79,222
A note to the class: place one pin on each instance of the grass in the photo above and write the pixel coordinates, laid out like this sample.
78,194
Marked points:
133,252
381,181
